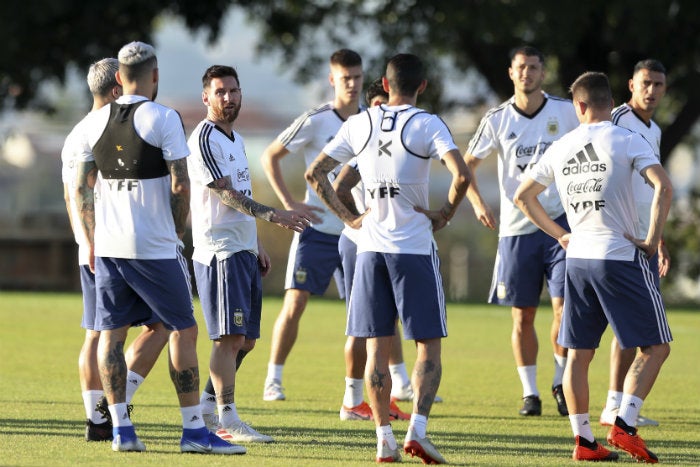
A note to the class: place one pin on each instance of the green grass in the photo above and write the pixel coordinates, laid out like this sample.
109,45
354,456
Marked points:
41,414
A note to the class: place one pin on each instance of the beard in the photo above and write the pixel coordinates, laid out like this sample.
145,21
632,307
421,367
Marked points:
228,115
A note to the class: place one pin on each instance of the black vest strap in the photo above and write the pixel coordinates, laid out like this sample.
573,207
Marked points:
121,153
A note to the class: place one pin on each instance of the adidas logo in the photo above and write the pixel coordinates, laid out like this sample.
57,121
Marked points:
134,381
227,408
211,399
194,418
512,135
585,161
586,423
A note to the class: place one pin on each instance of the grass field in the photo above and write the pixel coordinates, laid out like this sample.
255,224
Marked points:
41,414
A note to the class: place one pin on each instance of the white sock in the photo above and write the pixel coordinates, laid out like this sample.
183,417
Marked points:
90,399
419,423
614,400
192,417
274,372
228,415
384,433
630,408
120,416
581,426
559,366
353,392
399,375
133,381
528,378
207,402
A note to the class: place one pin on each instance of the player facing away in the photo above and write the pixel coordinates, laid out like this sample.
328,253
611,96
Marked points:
350,190
313,254
229,259
608,277
144,350
397,271
134,225
648,87
519,131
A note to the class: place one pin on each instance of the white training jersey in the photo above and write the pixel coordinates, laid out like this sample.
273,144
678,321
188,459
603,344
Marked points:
307,135
217,229
394,146
358,195
520,140
625,117
593,167
133,217
69,175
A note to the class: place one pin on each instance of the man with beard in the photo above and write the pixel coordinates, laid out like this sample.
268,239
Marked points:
134,225
520,130
229,260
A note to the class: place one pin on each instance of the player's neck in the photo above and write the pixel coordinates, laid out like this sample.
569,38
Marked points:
643,114
530,102
346,109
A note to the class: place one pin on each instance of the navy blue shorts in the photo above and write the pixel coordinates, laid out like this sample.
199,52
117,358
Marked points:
162,284
387,285
87,283
522,264
348,255
230,291
313,260
623,293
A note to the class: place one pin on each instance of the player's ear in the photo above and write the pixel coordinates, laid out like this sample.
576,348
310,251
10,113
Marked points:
630,85
205,98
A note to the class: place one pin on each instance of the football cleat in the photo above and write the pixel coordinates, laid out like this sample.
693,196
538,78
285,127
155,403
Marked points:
532,406
240,432
273,391
360,412
386,454
592,451
125,440
395,412
558,394
203,441
626,438
422,447
98,431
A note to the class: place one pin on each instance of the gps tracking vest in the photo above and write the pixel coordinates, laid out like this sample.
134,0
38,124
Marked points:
121,153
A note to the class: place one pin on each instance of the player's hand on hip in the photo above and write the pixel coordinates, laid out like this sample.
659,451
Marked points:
436,218
646,248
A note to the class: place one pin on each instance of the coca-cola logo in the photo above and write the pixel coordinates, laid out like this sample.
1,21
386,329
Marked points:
529,151
592,185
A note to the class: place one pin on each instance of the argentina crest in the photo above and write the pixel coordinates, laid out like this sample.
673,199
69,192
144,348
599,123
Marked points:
553,126
238,317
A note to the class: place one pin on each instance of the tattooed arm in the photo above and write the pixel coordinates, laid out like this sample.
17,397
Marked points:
347,179
85,200
179,194
317,176
223,187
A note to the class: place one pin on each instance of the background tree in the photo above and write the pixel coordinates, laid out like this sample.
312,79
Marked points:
41,38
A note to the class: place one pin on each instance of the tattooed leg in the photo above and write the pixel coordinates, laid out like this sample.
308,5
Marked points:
645,368
378,379
427,373
184,369
112,365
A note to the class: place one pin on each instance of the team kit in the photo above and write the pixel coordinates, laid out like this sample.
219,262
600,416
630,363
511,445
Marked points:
583,200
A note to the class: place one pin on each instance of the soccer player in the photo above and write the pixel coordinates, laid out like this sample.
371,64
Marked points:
350,191
520,130
313,254
608,277
648,87
397,270
134,226
144,351
229,260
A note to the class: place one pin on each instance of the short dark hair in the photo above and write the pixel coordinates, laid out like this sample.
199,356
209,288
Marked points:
528,51
592,88
405,73
651,65
218,71
346,58
375,89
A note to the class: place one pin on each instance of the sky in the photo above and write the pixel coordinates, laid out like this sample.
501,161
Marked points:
262,78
